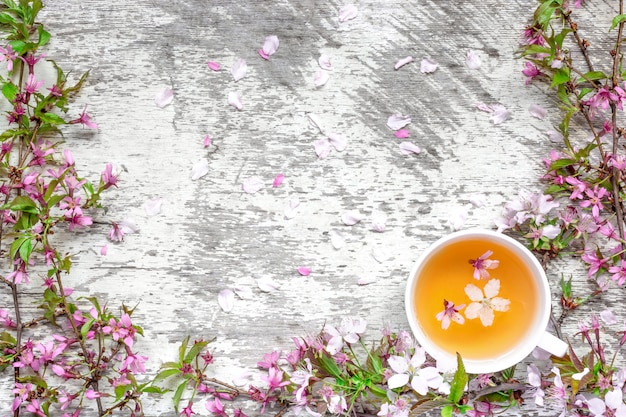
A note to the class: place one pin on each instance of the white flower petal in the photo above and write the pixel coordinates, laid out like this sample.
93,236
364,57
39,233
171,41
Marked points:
399,365
252,184
457,218
500,114
380,254
419,384
478,200
486,316
366,280
164,97
472,60
474,293
554,136
242,379
492,288
537,111
338,141
325,63
484,107
352,217
596,406
337,239
320,78
379,220
234,99
153,207
291,209
408,148
500,304
239,69
608,317
271,45
348,12
245,293
432,376
267,284
402,62
128,226
199,169
398,121
226,300
472,310
428,66
322,148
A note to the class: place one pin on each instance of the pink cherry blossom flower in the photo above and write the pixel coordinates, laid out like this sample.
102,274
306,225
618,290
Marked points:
7,54
428,66
274,378
482,264
483,306
449,314
85,120
347,12
595,200
214,66
216,407
534,379
578,189
612,405
349,331
164,97
32,85
278,180
402,62
618,273
269,47
531,72
592,258
108,178
472,60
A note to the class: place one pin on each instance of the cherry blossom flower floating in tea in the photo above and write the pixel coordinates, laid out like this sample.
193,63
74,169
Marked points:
482,264
449,314
483,306
269,47
164,97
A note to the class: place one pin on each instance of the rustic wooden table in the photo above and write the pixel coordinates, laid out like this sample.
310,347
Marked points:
211,234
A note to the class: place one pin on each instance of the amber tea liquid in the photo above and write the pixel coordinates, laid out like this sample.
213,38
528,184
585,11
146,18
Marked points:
445,275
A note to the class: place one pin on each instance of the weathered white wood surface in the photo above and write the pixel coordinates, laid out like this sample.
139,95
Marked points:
211,235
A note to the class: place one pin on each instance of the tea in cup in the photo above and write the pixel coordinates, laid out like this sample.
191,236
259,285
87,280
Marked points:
484,295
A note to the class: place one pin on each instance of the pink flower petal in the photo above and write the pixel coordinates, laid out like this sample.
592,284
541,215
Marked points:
320,78
153,207
500,114
263,55
269,47
428,66
608,317
402,62
234,99
537,111
554,136
322,148
379,221
239,69
348,12
408,148
402,134
206,142
366,280
226,300
324,62
304,271
214,66
252,184
245,293
199,169
484,107
104,250
267,284
278,180
478,200
398,121
352,217
164,97
338,141
472,60
291,210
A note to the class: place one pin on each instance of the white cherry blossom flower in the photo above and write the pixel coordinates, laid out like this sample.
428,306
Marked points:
349,331
408,370
483,306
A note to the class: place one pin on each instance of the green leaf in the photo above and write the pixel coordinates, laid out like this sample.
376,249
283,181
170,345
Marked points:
457,386
194,351
544,13
16,245
178,394
181,350
151,389
164,374
561,76
329,365
617,20
51,118
9,90
592,76
26,249
447,411
86,327
44,36
22,203
121,390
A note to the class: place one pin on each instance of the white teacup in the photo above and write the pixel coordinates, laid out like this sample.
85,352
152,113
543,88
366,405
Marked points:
514,288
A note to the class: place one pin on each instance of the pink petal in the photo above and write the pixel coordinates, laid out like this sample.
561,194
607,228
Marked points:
267,284
270,46
352,217
291,210
252,184
239,69
234,99
263,55
366,280
402,62
608,317
199,169
324,62
379,221
304,271
484,107
153,207
554,136
500,114
428,66
104,250
320,78
398,121
402,134
206,142
472,60
245,293
164,97
278,180
226,300
322,148
537,111
408,148
213,66
347,12
338,141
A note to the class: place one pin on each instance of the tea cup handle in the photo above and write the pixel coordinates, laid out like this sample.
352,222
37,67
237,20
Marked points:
552,344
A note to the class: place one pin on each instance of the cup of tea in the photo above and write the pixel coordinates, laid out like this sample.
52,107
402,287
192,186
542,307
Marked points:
481,294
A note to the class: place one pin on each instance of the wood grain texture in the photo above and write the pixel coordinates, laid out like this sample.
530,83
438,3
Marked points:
211,235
